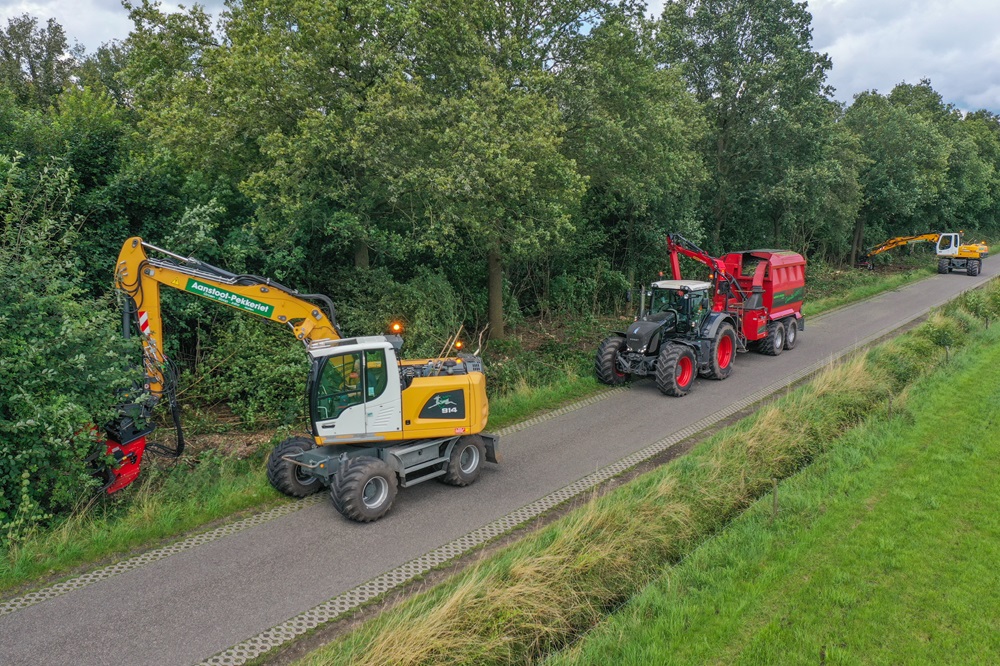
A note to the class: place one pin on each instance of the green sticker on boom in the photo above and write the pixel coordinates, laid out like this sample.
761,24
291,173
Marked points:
228,298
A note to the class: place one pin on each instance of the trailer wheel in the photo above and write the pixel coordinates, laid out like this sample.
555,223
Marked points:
774,343
972,267
943,265
466,461
723,353
791,333
606,363
365,491
675,370
289,478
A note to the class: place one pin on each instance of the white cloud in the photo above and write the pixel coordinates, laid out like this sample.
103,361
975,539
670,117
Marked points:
875,44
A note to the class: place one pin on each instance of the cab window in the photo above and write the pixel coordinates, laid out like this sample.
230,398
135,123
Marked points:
377,373
339,385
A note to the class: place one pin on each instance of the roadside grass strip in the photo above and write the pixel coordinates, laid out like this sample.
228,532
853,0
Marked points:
541,594
884,551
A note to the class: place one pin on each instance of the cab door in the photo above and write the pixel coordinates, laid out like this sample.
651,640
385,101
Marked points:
338,400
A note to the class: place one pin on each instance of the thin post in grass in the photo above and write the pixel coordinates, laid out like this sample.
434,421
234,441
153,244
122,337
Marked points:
890,405
947,353
774,499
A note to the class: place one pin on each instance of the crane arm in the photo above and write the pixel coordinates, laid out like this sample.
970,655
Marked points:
311,317
899,241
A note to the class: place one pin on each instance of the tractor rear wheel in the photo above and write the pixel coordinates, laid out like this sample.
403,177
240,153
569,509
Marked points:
723,353
466,461
943,265
791,333
774,343
972,267
287,477
675,370
365,490
606,363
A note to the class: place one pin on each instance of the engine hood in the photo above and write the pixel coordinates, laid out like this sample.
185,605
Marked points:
642,336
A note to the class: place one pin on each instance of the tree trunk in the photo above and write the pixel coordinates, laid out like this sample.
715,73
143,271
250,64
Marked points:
495,295
859,232
361,259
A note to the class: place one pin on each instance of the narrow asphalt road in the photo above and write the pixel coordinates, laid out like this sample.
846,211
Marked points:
186,607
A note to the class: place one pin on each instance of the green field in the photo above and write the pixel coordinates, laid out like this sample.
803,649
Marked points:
885,551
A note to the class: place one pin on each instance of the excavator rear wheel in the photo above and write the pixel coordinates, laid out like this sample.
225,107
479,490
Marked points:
466,461
365,490
287,477
972,267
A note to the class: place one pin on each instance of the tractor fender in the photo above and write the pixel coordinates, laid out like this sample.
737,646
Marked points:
712,323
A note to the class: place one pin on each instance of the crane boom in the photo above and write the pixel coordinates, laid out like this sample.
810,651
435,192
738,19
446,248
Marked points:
899,241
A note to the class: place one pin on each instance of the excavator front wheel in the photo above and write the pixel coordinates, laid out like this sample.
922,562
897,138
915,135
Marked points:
287,477
365,490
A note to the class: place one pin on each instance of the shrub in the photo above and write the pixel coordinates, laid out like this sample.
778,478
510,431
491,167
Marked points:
61,356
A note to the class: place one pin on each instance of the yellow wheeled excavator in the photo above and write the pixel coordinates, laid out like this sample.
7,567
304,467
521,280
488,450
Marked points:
952,254
377,422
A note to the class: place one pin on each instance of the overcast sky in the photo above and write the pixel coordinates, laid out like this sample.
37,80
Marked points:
874,44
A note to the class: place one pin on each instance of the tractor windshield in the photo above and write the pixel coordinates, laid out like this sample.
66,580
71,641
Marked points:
690,306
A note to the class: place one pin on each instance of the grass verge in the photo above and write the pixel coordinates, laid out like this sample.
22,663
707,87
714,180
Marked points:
540,595
883,551
549,372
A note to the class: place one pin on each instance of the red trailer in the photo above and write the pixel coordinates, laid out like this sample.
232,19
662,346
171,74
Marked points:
752,300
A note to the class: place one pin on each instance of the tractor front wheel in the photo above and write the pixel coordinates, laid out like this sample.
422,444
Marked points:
675,370
723,353
606,363
287,477
791,333
466,461
774,343
365,490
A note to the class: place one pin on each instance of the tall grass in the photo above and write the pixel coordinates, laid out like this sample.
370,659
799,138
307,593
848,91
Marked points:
539,595
167,502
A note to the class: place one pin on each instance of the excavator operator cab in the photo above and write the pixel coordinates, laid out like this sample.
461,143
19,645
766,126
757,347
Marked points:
948,244
354,388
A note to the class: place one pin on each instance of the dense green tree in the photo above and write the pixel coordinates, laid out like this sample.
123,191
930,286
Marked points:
905,170
36,63
751,65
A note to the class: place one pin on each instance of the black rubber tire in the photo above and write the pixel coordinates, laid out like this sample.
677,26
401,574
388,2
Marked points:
466,461
774,343
365,490
675,364
972,267
289,478
606,364
943,265
725,335
791,333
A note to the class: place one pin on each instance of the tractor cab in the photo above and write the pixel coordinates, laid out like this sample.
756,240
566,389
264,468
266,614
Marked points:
687,300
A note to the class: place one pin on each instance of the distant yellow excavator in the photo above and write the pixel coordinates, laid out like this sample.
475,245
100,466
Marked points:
951,253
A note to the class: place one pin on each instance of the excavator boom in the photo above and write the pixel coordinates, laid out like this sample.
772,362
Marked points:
311,317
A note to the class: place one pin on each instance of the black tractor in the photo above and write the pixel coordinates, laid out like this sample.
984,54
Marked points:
678,336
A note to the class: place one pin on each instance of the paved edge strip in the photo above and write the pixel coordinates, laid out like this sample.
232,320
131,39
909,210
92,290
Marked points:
332,609
158,554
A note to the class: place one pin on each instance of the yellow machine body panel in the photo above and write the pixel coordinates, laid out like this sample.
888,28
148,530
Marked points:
445,405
